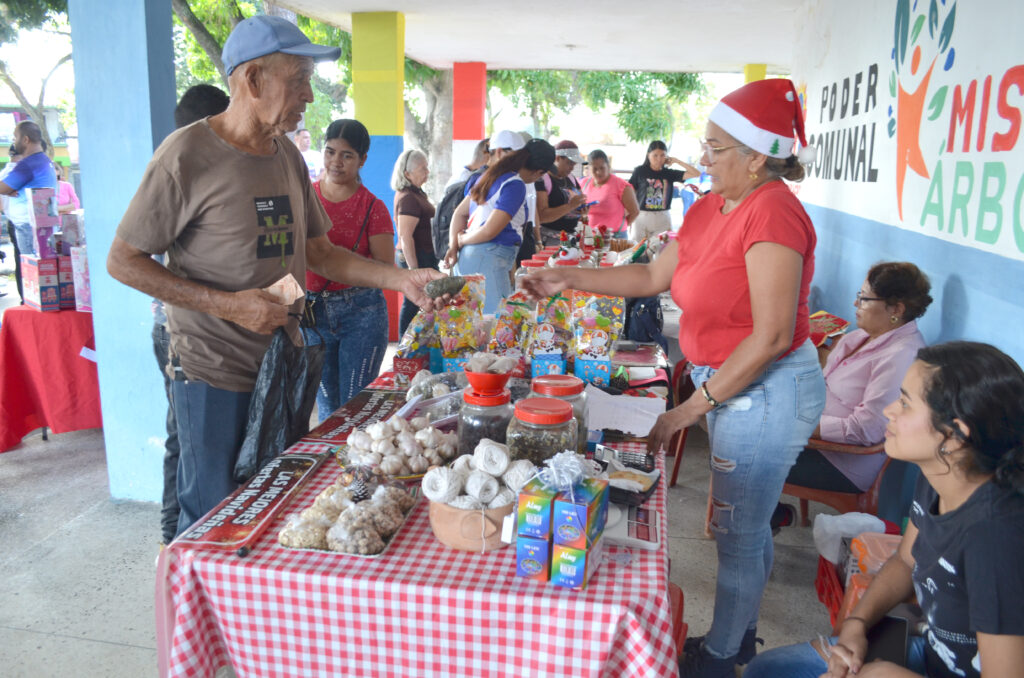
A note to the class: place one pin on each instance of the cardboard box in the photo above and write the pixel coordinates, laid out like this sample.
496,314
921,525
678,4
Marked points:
66,281
39,279
406,368
72,227
44,219
80,276
533,558
547,364
594,371
533,510
574,568
579,517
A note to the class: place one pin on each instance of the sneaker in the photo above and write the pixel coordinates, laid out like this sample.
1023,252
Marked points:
748,646
700,664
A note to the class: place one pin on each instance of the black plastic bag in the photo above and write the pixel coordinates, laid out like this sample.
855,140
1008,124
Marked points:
281,404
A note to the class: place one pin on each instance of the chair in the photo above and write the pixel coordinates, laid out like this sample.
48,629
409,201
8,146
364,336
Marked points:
844,502
682,388
679,627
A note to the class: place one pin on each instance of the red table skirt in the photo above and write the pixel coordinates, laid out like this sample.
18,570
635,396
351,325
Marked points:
43,379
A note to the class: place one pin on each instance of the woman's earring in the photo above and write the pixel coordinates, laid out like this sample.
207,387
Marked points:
753,176
893,319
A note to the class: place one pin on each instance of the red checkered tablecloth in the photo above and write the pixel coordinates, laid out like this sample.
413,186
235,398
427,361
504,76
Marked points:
419,609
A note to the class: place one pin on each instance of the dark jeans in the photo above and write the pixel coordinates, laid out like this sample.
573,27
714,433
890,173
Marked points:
169,510
211,427
424,259
353,326
812,469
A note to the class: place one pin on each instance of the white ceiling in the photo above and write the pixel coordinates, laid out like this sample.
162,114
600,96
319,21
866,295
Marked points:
651,35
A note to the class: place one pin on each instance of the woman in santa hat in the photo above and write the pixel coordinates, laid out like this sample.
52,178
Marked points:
741,275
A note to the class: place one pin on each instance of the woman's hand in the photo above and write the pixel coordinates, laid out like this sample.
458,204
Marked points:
679,417
847,655
576,200
451,257
543,283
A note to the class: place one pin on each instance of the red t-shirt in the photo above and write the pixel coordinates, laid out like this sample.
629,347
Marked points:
346,220
710,283
609,211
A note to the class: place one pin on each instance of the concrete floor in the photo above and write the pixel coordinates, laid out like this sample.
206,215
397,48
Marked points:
77,568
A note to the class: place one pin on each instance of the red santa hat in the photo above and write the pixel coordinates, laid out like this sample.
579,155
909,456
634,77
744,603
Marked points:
765,115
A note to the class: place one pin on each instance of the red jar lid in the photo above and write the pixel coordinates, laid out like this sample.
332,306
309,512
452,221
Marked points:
567,262
487,399
557,385
543,411
533,263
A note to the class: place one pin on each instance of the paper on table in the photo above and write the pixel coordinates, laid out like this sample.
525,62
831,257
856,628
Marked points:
285,291
623,413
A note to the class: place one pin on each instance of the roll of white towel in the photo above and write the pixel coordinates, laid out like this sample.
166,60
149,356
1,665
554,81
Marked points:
442,484
482,486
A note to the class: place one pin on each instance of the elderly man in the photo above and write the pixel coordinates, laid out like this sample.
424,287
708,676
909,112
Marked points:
230,202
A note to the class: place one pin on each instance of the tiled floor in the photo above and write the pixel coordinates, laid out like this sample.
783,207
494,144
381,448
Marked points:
76,569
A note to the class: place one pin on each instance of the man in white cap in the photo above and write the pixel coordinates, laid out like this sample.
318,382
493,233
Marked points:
229,201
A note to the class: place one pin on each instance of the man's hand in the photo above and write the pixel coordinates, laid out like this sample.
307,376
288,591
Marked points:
412,288
257,311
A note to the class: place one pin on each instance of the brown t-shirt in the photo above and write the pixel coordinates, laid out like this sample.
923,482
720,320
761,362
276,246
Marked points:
413,202
229,220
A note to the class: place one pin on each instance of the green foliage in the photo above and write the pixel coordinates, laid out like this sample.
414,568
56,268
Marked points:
19,15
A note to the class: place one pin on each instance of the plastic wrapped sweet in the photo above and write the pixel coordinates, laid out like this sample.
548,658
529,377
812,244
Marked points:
460,325
299,533
396,494
386,516
511,322
597,323
552,335
419,337
362,539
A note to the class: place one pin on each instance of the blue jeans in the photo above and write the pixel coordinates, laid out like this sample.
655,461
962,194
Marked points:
494,262
803,661
172,451
756,437
353,326
211,427
424,259
23,233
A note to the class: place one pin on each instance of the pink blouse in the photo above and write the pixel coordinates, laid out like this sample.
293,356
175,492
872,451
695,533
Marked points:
858,388
66,193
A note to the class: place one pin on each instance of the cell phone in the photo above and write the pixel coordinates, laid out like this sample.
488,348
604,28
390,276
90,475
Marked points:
887,640
591,204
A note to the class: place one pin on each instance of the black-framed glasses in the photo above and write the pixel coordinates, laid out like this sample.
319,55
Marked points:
710,150
861,299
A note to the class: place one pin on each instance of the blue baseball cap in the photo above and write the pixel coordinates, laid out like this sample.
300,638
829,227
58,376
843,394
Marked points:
261,35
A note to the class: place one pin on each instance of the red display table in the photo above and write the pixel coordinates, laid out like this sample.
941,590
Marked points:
43,379
419,609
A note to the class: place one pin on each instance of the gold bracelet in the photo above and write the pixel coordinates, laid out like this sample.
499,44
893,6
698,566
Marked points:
707,396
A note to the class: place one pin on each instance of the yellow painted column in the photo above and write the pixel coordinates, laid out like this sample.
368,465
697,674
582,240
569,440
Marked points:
752,72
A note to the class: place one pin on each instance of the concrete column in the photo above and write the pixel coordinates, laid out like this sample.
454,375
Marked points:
469,104
378,79
124,84
752,72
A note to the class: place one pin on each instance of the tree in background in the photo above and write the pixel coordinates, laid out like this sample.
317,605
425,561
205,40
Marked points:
21,15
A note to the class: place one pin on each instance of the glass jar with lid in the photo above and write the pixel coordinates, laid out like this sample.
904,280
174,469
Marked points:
570,389
525,268
483,416
540,429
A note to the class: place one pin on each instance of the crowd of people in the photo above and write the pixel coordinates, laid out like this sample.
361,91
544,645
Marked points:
740,271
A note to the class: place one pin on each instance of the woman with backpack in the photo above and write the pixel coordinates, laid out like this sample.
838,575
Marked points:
741,273
487,227
351,322
413,213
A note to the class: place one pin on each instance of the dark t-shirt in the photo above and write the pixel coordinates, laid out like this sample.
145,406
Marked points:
968,573
654,189
413,202
560,193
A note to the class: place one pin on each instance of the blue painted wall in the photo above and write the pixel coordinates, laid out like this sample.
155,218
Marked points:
380,163
977,296
124,87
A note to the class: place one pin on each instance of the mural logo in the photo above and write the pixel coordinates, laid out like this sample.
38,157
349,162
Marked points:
908,83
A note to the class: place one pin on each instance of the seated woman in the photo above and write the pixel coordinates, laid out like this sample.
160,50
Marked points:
960,418
862,376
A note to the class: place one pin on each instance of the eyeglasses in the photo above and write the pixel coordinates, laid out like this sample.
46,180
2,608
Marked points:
861,299
710,150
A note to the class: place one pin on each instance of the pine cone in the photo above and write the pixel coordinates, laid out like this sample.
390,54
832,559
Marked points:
358,490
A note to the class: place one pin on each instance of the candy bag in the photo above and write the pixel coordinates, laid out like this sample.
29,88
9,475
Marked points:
597,322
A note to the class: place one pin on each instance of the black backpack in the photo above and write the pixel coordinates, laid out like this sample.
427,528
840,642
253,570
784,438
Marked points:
644,321
442,221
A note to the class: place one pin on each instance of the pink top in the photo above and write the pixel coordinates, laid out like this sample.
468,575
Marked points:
66,194
609,211
858,388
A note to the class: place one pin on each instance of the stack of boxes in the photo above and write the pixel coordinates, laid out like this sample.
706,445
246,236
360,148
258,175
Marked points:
559,533
49,276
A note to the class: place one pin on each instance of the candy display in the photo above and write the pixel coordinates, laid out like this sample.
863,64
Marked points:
551,340
512,324
460,325
343,518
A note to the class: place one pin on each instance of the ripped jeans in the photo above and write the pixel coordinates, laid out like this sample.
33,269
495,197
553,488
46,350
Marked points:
756,437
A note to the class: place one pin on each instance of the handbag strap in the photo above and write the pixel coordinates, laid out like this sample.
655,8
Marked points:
362,229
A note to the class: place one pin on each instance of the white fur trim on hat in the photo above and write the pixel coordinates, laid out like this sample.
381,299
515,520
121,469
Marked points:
744,131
